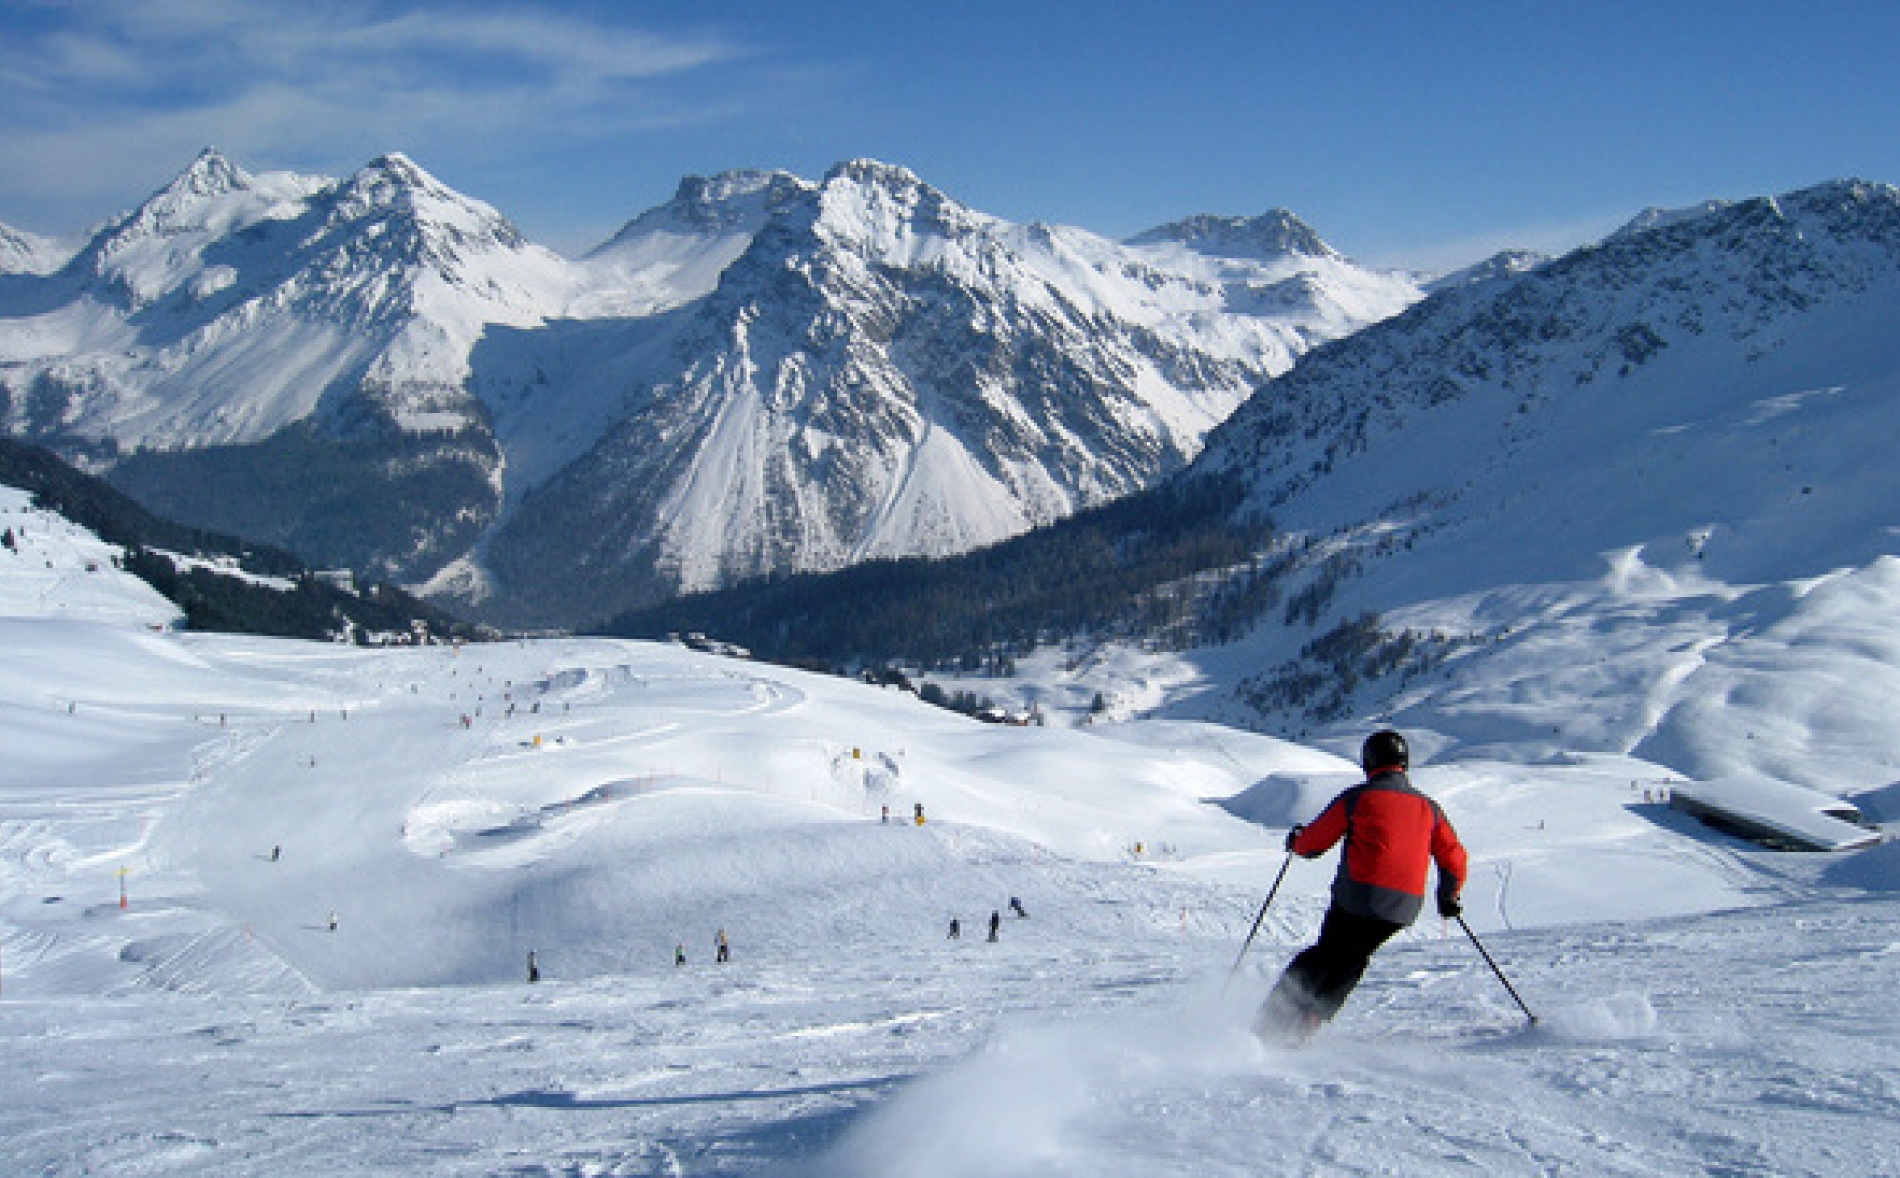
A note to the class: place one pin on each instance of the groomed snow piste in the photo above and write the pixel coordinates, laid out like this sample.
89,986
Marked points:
182,815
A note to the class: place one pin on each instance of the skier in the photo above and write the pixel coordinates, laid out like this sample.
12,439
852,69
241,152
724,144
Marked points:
679,954
1016,906
920,813
885,818
996,923
1392,833
956,929
534,968
276,853
723,952
333,922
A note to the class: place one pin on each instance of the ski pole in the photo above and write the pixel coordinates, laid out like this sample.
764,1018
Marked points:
1255,931
1494,969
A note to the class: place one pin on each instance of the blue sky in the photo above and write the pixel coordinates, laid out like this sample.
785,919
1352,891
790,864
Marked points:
1425,134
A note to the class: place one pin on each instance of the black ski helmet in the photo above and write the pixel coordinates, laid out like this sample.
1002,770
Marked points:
1385,749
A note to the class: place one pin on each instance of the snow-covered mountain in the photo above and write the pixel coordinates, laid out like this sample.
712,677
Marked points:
228,307
284,357
1633,349
883,371
764,374
1663,455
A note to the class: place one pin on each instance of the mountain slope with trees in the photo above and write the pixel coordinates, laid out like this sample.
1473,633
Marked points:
218,581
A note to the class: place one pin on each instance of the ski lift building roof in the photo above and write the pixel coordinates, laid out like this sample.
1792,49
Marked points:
1789,817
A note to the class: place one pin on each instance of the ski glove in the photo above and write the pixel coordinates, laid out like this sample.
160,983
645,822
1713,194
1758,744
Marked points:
1293,834
1450,908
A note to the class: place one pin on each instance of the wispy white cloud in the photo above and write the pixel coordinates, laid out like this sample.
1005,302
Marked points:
94,95
159,43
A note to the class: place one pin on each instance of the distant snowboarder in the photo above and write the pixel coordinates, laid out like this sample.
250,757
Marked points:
1016,906
956,929
722,952
996,924
534,968
1393,835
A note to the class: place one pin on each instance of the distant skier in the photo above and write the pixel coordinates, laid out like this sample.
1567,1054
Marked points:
276,853
1016,906
956,929
332,921
1393,834
996,924
534,968
722,952
679,954
886,816
920,813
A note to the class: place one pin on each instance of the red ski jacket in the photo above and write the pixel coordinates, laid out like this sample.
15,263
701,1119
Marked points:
1393,834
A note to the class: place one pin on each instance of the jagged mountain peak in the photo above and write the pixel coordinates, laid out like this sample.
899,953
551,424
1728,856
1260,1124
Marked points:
1274,234
186,203
394,180
875,173
674,253
1846,192
211,174
1501,265
1655,217
729,199
152,250
726,202
438,222
394,176
878,202
1845,207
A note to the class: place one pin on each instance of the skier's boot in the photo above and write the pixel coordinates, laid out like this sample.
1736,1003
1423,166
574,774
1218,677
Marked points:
1285,1019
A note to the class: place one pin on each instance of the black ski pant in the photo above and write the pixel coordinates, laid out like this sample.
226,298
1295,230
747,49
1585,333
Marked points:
1320,979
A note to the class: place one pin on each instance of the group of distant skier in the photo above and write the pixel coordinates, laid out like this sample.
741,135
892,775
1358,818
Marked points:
996,921
722,950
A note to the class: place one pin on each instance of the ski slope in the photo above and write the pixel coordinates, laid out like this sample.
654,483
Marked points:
1705,1007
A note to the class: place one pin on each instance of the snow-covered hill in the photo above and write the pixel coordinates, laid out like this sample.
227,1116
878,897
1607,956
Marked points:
51,567
266,908
763,374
